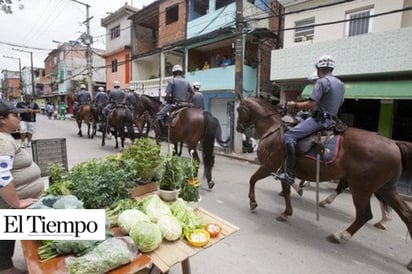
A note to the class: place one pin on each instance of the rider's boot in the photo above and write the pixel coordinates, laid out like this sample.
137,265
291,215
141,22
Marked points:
288,177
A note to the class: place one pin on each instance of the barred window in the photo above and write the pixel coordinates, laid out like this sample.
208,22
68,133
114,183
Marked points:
360,22
114,65
304,30
115,32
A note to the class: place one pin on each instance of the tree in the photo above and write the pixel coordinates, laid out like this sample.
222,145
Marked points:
7,6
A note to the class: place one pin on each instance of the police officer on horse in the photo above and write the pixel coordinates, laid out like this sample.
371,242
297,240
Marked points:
116,98
178,91
197,99
325,101
82,98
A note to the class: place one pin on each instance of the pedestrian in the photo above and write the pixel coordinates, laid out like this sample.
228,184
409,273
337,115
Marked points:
20,181
49,110
197,97
178,91
28,120
82,98
326,98
63,110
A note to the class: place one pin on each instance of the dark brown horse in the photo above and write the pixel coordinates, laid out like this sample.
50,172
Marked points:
85,114
193,125
372,166
118,121
189,126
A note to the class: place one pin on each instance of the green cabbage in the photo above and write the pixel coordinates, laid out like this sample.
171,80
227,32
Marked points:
146,236
155,208
128,218
170,227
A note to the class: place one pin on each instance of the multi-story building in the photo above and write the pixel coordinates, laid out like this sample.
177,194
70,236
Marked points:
197,35
11,85
39,78
371,42
66,67
118,41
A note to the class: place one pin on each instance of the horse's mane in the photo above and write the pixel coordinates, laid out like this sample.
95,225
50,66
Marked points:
268,106
155,99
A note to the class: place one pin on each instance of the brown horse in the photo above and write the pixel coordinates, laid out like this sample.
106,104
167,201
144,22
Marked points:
85,114
118,120
368,167
189,126
193,125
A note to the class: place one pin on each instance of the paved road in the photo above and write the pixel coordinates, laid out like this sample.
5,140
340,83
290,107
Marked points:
264,245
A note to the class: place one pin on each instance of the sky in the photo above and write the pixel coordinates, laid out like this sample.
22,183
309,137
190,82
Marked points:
41,21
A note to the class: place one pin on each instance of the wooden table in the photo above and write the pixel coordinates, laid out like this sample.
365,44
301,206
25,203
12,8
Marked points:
171,253
163,258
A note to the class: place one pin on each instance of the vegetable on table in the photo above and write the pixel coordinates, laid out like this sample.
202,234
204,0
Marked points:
52,249
115,209
108,255
186,216
128,219
146,236
170,227
213,229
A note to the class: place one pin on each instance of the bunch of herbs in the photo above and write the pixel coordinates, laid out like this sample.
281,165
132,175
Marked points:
145,157
100,182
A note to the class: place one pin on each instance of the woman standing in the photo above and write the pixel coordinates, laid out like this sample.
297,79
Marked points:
20,181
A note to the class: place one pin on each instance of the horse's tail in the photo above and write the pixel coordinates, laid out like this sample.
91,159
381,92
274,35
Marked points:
406,153
208,143
222,143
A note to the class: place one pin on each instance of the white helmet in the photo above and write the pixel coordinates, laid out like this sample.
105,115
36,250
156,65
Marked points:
196,85
177,68
100,89
325,61
116,84
82,86
132,88
313,77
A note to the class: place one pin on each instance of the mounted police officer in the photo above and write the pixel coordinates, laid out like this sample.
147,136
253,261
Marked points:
100,100
326,98
116,98
82,98
178,91
131,98
197,99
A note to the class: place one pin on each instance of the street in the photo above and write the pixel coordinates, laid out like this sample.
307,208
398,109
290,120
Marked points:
263,244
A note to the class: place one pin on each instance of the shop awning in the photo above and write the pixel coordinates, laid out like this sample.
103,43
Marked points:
401,90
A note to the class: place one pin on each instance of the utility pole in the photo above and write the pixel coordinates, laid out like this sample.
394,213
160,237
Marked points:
21,82
239,45
88,40
31,69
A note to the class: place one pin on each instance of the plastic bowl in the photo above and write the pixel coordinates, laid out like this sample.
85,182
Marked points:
213,229
198,237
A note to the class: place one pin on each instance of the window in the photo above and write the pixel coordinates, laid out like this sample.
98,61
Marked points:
114,32
114,65
304,30
360,23
200,7
222,3
172,14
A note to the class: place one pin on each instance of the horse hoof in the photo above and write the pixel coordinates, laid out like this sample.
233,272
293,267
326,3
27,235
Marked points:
253,205
322,204
210,184
409,266
333,238
380,226
282,218
300,192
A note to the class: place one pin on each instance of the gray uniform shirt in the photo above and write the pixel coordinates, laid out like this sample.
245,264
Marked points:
329,92
101,98
116,97
197,100
179,89
84,97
